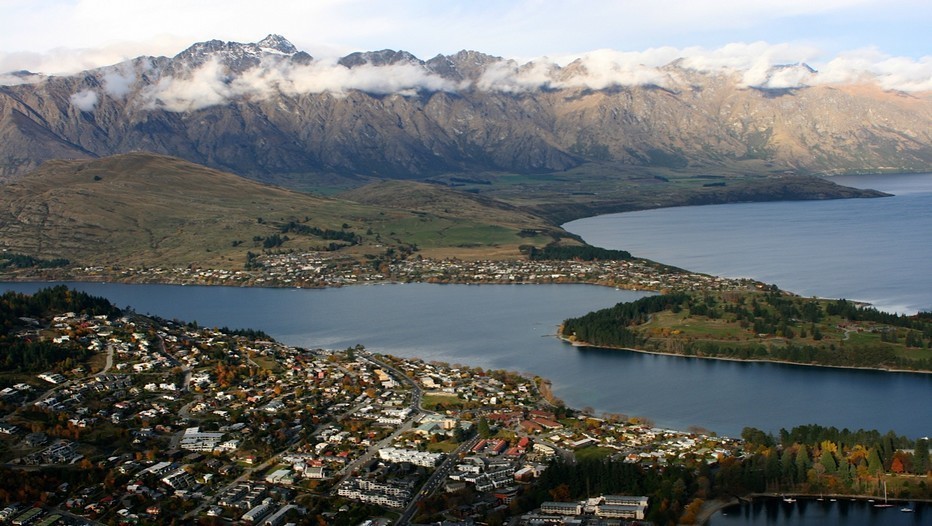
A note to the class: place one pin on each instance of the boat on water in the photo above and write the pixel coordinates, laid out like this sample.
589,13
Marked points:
789,500
885,503
906,510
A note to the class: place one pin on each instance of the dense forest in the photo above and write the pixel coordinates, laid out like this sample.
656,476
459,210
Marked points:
30,353
614,326
769,325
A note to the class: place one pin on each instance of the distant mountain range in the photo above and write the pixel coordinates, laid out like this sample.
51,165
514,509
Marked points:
271,112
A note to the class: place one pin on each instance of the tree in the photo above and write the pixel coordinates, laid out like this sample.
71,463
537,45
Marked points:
921,457
483,429
560,493
786,466
897,465
828,462
802,462
874,464
756,437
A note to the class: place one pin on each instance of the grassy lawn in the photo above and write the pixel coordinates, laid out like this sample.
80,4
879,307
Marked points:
863,338
433,232
914,354
593,453
444,400
442,447
97,362
697,327
267,363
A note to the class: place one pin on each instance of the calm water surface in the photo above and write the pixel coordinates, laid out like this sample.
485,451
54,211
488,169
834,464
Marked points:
844,512
874,250
513,326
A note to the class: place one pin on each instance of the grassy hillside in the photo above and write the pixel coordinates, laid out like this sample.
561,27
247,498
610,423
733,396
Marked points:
451,220
149,210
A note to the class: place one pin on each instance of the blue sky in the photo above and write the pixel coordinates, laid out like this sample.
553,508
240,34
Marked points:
58,36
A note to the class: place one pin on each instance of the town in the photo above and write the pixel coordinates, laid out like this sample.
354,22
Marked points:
331,269
167,422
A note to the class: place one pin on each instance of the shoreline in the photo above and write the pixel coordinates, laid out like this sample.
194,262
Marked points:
712,508
727,359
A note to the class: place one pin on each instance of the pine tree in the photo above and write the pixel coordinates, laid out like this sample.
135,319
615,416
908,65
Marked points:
921,457
802,463
874,464
828,462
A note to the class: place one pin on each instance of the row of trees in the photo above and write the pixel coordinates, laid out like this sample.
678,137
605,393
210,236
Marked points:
323,233
582,253
24,261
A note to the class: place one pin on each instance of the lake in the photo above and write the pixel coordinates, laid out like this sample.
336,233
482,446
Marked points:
775,512
513,327
874,250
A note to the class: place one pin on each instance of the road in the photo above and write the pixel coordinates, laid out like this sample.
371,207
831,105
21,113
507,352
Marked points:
347,470
435,480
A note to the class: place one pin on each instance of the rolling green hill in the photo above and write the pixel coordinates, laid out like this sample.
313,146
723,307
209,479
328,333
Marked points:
150,210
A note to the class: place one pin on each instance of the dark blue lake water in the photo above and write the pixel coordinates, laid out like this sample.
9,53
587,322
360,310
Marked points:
775,512
874,250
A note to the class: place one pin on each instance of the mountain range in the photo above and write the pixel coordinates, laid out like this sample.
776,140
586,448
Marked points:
271,112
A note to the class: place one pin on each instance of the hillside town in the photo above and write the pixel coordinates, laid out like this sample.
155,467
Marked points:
168,422
331,269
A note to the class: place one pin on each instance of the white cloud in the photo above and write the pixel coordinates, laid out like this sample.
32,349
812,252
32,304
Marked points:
211,83
119,80
870,65
85,100
754,65
70,60
15,79
206,86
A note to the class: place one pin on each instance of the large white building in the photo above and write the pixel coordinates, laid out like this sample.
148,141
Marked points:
418,458
606,507
196,440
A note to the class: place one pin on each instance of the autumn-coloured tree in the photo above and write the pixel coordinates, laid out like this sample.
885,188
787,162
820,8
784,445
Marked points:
560,493
897,465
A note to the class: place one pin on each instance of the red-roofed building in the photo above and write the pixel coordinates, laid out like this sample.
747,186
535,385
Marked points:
537,413
547,423
530,427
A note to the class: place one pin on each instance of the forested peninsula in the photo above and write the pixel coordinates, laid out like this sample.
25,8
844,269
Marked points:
764,325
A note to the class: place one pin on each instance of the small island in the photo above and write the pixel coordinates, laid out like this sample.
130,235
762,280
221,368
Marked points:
761,325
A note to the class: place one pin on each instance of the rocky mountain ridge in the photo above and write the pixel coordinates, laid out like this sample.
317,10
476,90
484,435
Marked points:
267,109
